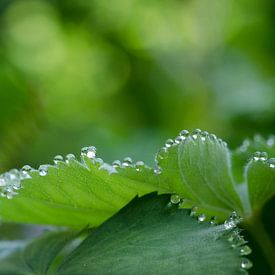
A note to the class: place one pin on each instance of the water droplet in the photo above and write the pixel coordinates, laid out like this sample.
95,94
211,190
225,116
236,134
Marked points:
139,165
43,170
196,133
213,137
70,157
201,218
99,162
260,156
25,172
13,179
175,199
246,264
264,156
57,159
179,139
2,181
245,250
4,194
256,156
213,221
116,163
161,154
258,138
10,195
244,146
194,211
232,222
184,133
271,162
91,152
157,170
246,142
127,162
204,135
169,143
26,169
237,240
270,142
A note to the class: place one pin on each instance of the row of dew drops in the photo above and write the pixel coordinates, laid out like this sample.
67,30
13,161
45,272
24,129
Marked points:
10,182
263,157
257,140
164,151
260,156
183,135
230,226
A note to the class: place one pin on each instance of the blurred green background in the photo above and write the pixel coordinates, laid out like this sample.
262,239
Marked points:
125,75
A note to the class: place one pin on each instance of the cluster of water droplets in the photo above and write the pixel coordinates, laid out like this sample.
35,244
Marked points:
263,157
197,134
255,142
128,163
236,240
230,229
11,182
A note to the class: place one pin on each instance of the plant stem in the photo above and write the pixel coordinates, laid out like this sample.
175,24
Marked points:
257,230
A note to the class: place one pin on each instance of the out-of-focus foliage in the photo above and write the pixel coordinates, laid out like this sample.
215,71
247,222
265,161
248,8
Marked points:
123,75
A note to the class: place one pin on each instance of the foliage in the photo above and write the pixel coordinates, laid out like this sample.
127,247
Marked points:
195,168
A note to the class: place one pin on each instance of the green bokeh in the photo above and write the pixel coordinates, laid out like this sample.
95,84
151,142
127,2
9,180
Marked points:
125,74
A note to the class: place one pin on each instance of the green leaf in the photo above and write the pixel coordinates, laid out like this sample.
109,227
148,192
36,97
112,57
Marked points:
244,153
11,261
40,254
260,177
199,169
36,257
152,236
74,194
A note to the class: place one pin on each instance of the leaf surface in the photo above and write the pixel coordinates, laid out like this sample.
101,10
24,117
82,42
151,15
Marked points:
260,177
74,194
199,169
152,236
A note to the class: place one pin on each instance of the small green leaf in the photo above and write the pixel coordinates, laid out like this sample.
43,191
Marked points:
36,257
40,254
260,177
152,236
242,155
11,261
199,169
75,194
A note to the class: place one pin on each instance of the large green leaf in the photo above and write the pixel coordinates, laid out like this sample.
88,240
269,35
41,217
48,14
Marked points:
196,166
148,236
72,193
153,236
